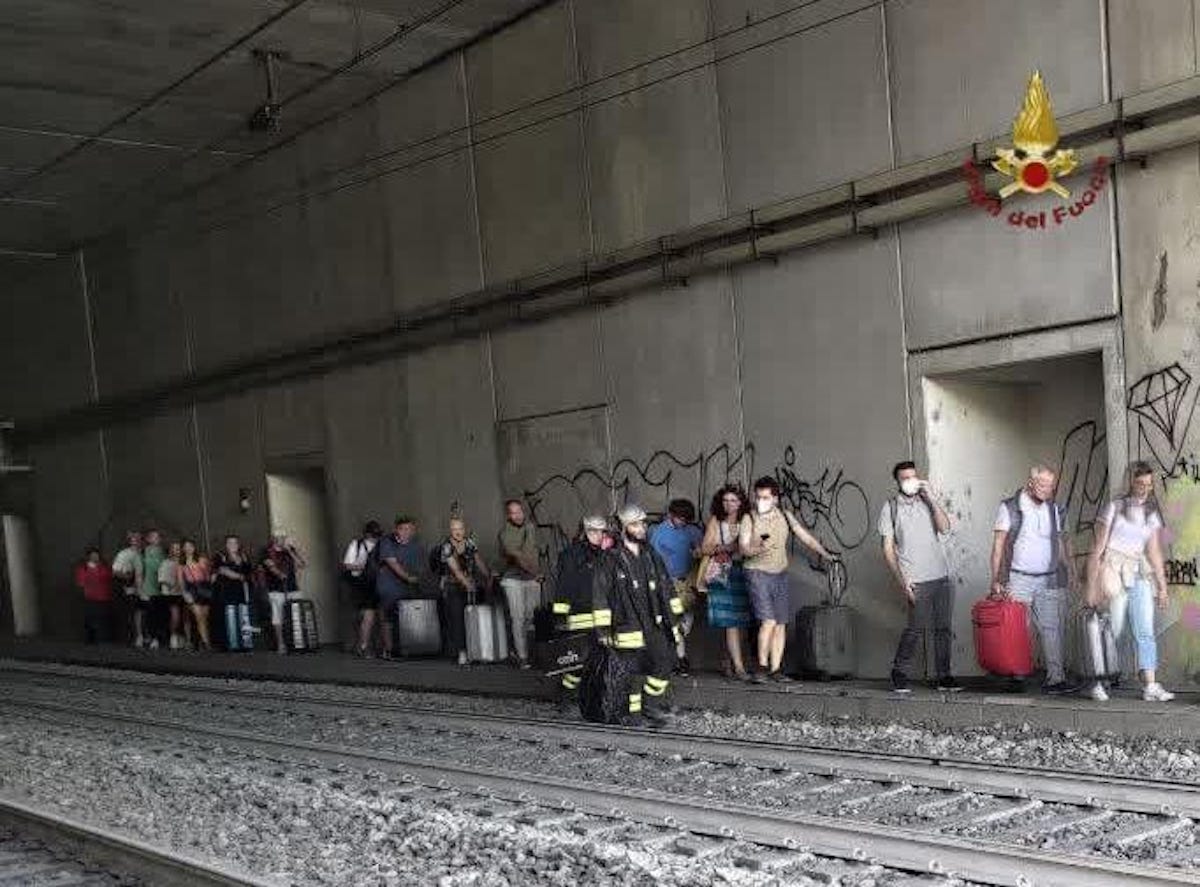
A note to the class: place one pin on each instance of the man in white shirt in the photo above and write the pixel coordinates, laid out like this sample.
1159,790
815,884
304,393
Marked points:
1032,563
359,575
128,575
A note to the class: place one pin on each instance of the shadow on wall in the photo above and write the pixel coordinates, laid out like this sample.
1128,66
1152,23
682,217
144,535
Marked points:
828,502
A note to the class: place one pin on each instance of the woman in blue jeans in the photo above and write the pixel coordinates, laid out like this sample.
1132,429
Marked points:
1126,575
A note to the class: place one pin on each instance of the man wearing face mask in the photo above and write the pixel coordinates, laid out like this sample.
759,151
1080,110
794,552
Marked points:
911,525
763,539
1032,563
631,597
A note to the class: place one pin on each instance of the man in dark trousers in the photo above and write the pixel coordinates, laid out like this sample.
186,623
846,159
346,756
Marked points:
632,615
573,607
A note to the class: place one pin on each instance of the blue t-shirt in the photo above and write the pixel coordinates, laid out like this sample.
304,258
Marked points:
675,545
408,554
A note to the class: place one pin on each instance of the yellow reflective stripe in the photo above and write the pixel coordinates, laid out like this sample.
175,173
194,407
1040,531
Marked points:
652,681
678,634
676,606
571,681
602,618
580,620
630,640
651,691
635,702
561,608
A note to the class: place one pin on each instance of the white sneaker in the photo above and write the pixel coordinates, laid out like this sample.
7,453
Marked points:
153,643
139,642
462,658
1155,693
1097,693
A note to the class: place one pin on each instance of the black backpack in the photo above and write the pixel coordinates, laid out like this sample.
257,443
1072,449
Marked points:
370,573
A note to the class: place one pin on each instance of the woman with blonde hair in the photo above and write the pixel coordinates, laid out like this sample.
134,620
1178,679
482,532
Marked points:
466,576
1126,576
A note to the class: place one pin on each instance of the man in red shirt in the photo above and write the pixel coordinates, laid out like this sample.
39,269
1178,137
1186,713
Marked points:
95,579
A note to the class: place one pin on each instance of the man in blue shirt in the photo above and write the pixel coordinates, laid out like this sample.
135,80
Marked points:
677,540
400,558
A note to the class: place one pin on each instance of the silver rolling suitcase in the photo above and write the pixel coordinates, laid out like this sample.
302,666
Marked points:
487,638
419,632
1099,659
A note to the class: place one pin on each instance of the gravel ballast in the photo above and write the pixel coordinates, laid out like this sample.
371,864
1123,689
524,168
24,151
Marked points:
315,825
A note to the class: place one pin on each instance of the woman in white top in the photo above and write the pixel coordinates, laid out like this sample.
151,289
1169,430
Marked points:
1126,575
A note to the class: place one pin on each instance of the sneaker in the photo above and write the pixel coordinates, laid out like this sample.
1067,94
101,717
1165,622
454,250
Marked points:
1014,685
153,643
139,642
758,677
741,677
948,684
1097,693
386,655
780,678
462,658
525,665
1156,693
684,668
900,683
1058,688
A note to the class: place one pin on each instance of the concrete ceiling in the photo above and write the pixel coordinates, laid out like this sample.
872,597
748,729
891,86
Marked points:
109,108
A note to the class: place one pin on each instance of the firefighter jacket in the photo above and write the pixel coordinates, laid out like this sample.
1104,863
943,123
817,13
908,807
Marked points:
573,589
631,599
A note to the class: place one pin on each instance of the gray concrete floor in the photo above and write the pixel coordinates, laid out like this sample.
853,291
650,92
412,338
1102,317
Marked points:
1124,714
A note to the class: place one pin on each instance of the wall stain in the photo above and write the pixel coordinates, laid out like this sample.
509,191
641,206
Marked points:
1158,302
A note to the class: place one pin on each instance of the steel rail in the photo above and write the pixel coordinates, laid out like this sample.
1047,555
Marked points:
972,859
122,854
1115,791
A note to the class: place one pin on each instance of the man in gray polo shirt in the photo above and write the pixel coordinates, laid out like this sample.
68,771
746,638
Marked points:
911,524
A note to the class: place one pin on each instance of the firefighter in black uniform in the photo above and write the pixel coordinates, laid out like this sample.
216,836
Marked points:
634,614
572,605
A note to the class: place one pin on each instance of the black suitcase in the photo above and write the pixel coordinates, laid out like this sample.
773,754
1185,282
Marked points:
300,632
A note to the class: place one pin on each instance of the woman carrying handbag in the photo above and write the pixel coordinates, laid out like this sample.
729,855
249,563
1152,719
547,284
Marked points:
1126,576
721,577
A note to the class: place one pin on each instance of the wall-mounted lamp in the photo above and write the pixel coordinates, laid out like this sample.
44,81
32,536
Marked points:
244,500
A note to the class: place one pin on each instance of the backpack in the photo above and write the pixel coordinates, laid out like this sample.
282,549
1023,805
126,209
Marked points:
370,573
1016,520
894,507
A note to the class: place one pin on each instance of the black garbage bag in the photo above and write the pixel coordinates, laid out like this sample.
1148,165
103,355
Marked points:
604,686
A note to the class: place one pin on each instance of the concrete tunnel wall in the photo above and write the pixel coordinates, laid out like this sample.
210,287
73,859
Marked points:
799,366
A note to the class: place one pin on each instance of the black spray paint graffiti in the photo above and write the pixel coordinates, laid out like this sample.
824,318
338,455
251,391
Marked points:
1083,481
1162,404
1181,572
830,504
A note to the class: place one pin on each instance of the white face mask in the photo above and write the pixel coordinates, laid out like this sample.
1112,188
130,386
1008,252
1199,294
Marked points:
910,486
764,505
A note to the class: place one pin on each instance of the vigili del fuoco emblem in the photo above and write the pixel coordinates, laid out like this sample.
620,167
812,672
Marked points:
1034,163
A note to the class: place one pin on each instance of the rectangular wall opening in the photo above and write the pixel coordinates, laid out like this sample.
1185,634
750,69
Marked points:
984,429
298,505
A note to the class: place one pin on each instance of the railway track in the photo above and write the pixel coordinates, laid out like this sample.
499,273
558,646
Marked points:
42,848
917,814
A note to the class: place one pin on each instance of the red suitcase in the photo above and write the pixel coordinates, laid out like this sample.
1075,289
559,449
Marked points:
1002,638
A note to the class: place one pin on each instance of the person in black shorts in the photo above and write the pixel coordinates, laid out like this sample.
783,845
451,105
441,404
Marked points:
358,574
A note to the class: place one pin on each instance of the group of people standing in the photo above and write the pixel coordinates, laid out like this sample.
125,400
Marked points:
1032,561
169,594
383,570
736,568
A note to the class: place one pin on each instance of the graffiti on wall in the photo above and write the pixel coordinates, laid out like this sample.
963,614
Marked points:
1161,405
829,503
1083,481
